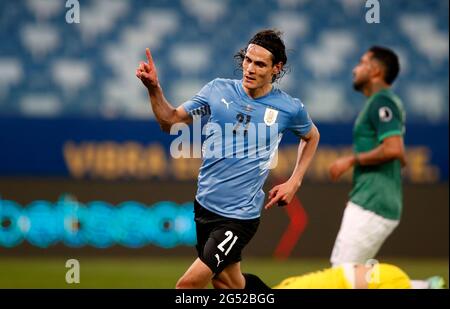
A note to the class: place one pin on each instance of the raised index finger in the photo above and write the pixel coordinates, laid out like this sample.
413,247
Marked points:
149,56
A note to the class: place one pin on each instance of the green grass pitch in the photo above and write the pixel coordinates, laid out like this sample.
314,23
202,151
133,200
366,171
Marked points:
163,272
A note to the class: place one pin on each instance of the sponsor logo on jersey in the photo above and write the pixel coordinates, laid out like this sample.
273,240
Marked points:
385,114
218,260
226,102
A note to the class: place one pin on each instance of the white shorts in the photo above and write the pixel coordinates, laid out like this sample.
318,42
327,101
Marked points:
361,235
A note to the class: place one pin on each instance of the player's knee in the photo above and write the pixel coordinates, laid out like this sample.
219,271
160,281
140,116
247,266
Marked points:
228,283
219,284
187,283
234,283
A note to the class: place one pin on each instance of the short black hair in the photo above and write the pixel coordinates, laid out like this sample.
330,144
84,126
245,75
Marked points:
389,60
271,40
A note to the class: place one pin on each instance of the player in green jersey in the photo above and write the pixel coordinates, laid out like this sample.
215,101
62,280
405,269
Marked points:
375,204
375,201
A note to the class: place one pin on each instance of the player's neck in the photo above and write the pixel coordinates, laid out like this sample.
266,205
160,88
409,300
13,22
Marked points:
375,87
258,92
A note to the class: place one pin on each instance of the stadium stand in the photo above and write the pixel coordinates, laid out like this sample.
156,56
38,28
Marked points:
49,68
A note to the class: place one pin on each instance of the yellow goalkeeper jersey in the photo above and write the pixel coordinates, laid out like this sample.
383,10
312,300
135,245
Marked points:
382,276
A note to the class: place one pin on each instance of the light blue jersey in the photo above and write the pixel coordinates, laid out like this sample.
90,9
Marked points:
231,177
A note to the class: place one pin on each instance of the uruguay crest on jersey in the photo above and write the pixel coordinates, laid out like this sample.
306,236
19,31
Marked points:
270,116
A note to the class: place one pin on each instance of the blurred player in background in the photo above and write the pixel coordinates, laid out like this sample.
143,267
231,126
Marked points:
229,197
375,205
376,200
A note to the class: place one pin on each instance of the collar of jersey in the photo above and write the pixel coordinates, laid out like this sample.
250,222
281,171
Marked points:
245,96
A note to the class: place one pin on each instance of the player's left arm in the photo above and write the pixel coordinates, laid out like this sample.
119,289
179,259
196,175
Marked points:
391,148
283,193
387,119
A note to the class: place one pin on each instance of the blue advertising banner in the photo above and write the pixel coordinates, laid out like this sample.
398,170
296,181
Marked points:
97,224
121,149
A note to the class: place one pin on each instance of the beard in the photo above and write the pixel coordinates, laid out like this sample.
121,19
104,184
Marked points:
359,85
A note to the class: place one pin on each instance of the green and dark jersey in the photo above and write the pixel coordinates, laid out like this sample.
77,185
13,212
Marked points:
378,188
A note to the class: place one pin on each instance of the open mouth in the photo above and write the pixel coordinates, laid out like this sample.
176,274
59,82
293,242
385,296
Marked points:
249,79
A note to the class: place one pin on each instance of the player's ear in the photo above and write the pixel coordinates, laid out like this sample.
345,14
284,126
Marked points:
377,69
277,68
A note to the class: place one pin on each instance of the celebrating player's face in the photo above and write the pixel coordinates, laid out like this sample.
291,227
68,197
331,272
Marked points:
362,71
258,68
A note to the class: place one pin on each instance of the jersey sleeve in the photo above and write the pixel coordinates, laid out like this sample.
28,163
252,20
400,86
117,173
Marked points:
199,104
301,123
385,116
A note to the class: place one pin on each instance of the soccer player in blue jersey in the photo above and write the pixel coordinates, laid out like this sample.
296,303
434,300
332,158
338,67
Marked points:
230,198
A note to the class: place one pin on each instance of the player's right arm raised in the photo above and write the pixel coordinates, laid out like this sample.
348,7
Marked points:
164,112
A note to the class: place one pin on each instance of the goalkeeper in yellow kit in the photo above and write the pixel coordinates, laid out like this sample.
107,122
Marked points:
351,276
